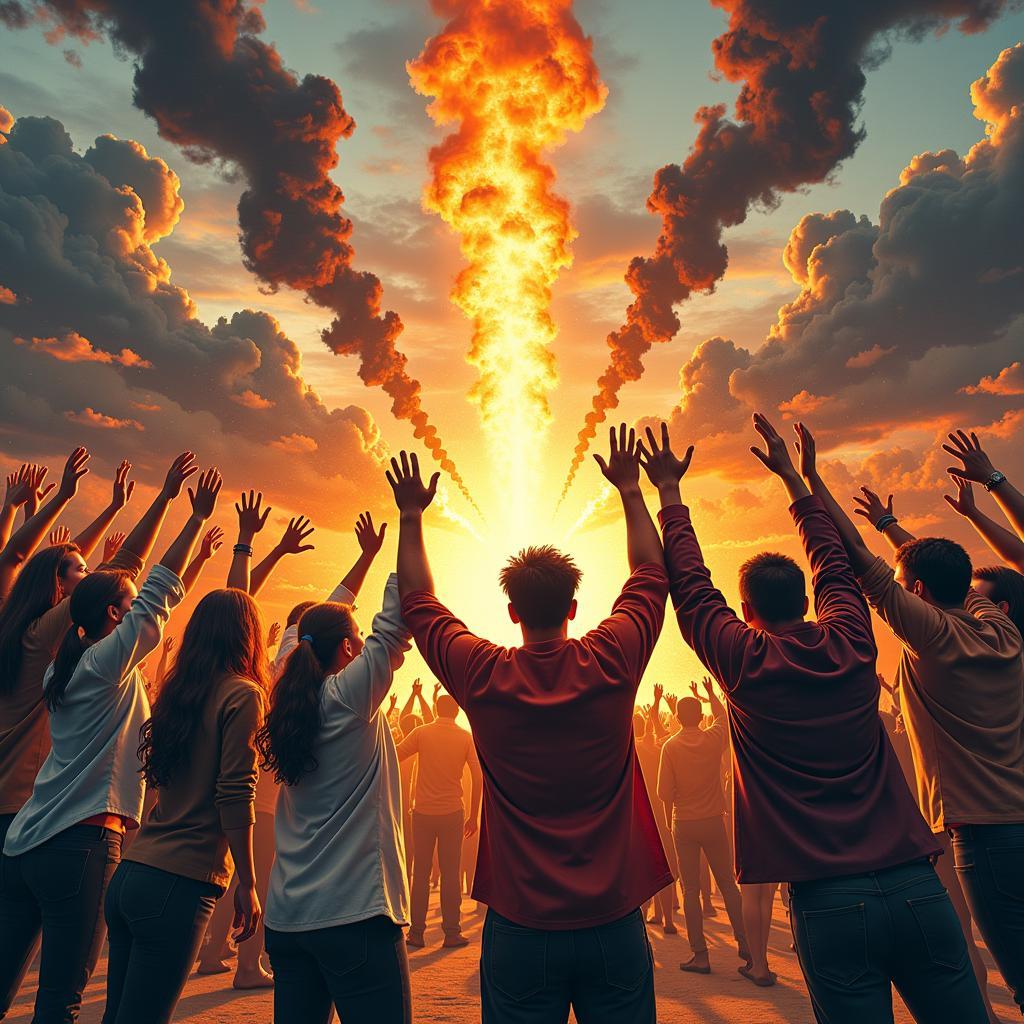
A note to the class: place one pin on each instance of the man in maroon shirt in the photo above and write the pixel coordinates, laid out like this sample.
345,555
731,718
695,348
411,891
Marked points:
819,797
569,846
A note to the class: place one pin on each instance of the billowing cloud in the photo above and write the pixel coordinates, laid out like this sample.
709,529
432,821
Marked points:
7,297
910,324
802,72
75,249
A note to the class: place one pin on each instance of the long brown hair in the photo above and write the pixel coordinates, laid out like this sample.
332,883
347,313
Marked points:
36,590
89,603
223,637
287,738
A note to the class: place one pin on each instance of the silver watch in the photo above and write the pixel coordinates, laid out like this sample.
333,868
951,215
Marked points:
994,481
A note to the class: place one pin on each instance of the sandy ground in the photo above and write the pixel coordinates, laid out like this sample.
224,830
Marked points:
445,985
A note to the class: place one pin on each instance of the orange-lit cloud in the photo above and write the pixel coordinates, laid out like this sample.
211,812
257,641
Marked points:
870,356
295,444
250,400
1009,381
73,348
89,417
7,297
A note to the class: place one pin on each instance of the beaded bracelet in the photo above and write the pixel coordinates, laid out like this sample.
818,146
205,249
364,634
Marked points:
243,549
885,522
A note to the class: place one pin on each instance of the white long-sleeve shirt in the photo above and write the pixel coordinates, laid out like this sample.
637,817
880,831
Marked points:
93,765
340,857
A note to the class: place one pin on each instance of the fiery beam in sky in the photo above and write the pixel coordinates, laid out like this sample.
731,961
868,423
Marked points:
514,76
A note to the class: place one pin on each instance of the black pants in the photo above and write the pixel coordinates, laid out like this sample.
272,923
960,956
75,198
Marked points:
55,890
989,861
155,923
362,969
605,974
858,936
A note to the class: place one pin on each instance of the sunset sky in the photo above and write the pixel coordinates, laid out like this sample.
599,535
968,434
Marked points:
883,324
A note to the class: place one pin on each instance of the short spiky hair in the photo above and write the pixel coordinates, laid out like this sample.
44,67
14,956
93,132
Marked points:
540,583
773,586
941,565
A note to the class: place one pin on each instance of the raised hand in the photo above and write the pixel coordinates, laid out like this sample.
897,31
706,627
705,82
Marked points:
123,487
977,466
181,469
59,535
807,450
437,691
660,463
274,634
870,505
297,530
417,688
252,517
410,493
37,489
694,690
392,704
622,470
709,685
775,457
672,701
963,504
659,692
211,542
369,539
112,545
204,497
74,469
18,487
168,644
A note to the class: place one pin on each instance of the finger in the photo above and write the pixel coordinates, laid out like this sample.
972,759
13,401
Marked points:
650,440
976,442
614,441
642,454
600,461
433,484
664,436
415,465
952,502
687,458
391,479
632,440
956,443
952,451
956,471
395,468
405,463
131,488
761,456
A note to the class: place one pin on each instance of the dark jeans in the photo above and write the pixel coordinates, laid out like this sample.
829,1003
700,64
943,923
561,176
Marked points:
362,968
155,923
856,936
55,890
528,976
990,864
445,832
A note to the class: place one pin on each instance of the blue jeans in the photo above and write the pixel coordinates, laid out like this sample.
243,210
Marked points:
990,864
155,923
856,936
528,976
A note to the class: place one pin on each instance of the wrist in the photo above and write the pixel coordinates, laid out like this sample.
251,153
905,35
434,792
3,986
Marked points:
411,515
669,494
630,490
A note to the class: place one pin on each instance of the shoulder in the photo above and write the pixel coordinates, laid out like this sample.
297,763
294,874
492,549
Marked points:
239,691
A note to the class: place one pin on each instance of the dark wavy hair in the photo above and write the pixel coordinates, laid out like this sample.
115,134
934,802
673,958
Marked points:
35,591
287,738
942,565
223,637
540,583
1008,586
89,604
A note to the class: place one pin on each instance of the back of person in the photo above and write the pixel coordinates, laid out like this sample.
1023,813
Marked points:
694,757
443,750
554,731
963,704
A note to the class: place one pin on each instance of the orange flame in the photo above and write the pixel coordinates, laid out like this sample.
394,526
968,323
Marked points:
515,76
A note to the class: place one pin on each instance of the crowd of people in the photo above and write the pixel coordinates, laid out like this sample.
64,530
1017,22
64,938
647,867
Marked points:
162,795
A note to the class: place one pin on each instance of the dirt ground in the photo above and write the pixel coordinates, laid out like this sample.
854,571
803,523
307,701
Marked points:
445,985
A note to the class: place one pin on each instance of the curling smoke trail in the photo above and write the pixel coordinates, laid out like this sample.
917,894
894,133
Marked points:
221,93
801,64
444,505
515,76
592,507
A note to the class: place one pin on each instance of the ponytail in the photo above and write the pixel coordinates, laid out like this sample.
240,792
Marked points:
293,724
89,603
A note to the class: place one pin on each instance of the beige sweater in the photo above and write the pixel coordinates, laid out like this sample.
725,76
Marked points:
185,832
961,684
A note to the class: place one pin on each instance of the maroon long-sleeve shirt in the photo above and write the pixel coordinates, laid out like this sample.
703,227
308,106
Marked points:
567,838
818,790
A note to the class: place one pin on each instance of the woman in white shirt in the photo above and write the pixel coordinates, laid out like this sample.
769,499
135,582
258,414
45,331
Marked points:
65,842
338,891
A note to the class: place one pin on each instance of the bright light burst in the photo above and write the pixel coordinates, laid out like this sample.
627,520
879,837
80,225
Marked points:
515,76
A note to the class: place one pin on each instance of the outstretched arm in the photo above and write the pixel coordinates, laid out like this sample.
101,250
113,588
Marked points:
869,505
90,537
657,726
1006,544
857,551
141,540
26,539
622,471
204,501
370,542
776,458
252,517
977,466
17,494
208,547
412,497
717,707
291,543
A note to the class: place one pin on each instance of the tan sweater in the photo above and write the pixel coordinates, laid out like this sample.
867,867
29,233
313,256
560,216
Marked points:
961,684
24,727
185,833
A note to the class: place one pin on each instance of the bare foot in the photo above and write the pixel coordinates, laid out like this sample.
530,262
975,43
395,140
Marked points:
213,967
697,964
671,929
253,978
455,941
760,980
414,939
